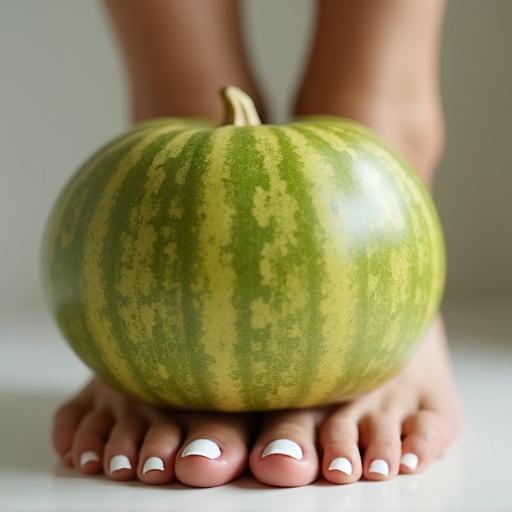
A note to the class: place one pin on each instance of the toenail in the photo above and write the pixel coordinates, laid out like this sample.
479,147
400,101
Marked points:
283,447
118,462
409,460
203,447
153,464
341,464
87,457
379,466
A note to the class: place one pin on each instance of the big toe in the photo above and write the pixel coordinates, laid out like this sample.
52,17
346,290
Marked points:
284,454
214,451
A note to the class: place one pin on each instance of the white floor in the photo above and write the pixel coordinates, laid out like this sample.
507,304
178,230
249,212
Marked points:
37,371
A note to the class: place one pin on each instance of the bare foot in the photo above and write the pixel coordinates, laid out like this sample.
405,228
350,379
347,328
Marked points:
401,427
100,430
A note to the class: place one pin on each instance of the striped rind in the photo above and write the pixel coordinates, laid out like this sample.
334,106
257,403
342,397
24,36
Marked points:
244,268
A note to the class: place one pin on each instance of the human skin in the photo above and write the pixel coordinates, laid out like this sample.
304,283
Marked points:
375,62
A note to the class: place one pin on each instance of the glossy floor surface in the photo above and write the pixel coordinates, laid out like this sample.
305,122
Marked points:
37,371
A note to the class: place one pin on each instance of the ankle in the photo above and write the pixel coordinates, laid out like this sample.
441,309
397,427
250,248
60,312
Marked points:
414,127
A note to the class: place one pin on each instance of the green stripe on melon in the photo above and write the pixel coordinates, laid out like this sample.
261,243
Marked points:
246,266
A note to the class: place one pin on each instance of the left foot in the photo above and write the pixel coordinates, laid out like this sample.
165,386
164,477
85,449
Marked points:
401,427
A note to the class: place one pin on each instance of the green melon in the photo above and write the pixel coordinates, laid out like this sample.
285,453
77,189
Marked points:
244,266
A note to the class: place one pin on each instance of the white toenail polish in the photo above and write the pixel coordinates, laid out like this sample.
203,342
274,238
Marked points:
283,447
118,462
410,460
341,464
87,457
153,464
379,466
203,447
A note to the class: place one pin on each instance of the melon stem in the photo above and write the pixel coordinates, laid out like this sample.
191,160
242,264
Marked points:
239,109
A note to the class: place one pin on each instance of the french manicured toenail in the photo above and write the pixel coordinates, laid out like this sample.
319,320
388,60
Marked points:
379,466
118,462
153,464
203,447
283,447
409,460
341,464
87,457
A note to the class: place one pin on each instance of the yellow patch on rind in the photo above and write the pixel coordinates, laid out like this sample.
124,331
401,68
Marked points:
338,292
274,207
214,283
137,281
92,283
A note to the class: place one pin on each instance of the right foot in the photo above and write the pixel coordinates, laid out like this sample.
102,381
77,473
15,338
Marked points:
101,430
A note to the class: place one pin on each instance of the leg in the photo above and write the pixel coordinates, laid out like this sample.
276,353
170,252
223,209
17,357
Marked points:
376,62
172,70
100,429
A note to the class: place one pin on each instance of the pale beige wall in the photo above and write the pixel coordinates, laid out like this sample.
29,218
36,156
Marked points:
474,187
62,94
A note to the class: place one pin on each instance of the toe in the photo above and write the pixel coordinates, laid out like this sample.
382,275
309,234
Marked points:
425,435
65,424
214,451
121,451
158,452
285,454
380,437
338,436
89,441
